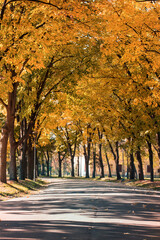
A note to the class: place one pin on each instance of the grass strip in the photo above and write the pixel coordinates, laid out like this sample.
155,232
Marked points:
15,189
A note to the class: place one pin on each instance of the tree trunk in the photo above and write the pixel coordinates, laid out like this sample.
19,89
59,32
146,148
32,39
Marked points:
132,169
94,162
60,165
150,159
12,166
109,168
37,165
42,167
140,166
100,135
47,162
78,167
158,141
101,160
87,168
30,159
117,162
86,157
23,162
3,153
72,166
60,168
13,148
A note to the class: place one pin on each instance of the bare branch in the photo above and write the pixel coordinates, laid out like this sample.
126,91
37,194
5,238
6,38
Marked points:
3,103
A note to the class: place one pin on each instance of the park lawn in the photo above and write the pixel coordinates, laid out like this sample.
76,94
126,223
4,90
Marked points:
147,184
16,189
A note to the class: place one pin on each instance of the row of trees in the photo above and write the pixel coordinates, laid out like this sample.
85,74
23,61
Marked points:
83,71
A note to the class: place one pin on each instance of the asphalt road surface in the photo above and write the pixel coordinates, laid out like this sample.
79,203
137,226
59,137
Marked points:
82,210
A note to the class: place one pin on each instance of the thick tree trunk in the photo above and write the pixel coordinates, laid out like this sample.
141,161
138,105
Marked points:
13,148
78,167
94,162
109,168
140,166
11,109
42,167
72,166
158,141
100,135
3,153
86,157
60,168
47,162
60,165
30,159
150,159
117,162
132,168
23,162
37,165
87,168
101,160
12,166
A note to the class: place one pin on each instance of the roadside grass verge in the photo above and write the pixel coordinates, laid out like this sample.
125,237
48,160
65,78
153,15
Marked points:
16,189
145,184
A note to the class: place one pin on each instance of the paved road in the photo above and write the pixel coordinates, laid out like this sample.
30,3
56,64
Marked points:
82,210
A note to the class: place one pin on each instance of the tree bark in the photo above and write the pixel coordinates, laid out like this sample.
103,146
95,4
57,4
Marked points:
86,157
60,165
30,159
72,165
78,166
109,168
100,135
117,162
3,153
23,162
47,162
11,121
158,141
140,166
101,160
37,165
150,158
94,162
12,166
132,169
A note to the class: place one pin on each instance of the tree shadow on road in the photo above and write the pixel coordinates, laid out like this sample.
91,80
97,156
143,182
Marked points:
57,230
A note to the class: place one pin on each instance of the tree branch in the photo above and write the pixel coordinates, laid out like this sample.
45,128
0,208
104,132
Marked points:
3,103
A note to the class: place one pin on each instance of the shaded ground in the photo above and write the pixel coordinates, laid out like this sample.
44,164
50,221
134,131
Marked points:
14,189
82,209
